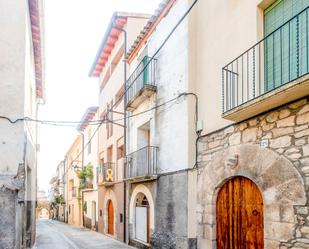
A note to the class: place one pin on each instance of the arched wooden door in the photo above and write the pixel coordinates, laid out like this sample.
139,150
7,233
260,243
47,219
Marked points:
239,215
110,218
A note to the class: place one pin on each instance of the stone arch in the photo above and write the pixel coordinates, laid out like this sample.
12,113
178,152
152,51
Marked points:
110,196
42,205
141,189
280,183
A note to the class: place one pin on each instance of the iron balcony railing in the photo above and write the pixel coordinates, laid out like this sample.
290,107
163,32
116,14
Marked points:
74,192
279,58
142,163
106,173
86,183
143,75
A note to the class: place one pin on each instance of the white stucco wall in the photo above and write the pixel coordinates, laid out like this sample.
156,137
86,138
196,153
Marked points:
12,83
169,125
223,31
18,91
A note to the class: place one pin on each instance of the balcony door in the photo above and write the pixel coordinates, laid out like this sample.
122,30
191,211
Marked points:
143,59
110,154
286,48
143,141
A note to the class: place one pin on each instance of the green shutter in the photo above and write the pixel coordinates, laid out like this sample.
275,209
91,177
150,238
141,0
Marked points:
280,46
146,71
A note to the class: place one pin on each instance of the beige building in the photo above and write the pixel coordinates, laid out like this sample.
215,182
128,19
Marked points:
21,91
73,165
89,193
109,68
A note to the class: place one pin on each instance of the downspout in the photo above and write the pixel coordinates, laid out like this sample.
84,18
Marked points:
124,129
82,201
125,138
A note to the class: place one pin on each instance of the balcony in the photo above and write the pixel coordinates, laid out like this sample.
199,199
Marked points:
141,165
141,84
86,184
106,174
271,73
74,192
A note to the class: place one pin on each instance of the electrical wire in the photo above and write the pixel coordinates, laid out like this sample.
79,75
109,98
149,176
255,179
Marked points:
105,118
128,117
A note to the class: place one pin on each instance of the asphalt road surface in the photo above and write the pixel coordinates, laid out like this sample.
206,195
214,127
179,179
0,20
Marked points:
57,235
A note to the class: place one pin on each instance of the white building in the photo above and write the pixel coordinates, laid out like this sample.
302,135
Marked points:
21,90
160,133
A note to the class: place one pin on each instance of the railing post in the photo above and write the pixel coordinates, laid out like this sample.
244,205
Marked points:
222,91
253,72
297,46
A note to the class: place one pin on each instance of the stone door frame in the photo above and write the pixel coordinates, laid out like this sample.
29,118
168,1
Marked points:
280,183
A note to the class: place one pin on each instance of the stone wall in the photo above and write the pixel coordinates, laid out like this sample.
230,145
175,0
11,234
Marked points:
7,218
171,212
279,138
170,195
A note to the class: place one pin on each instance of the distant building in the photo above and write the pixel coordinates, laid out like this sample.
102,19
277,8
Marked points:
21,91
73,195
89,187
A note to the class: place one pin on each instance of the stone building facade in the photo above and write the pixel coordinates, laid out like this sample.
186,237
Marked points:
272,150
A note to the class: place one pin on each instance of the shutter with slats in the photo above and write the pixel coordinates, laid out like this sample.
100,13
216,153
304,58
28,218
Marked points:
281,46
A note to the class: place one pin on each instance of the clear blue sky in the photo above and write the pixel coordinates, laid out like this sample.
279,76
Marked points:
73,32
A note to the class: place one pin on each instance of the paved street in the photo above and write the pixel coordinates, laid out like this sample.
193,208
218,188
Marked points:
53,234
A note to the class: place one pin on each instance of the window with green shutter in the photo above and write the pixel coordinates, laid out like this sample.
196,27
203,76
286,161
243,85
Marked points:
286,48
146,71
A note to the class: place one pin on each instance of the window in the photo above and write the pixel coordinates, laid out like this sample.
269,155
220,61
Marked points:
105,79
120,152
109,124
69,209
89,141
110,154
119,96
117,59
281,47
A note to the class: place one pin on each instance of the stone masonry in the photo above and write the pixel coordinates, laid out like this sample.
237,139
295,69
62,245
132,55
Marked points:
281,135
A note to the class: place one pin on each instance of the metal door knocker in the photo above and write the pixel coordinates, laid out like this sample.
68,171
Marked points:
255,212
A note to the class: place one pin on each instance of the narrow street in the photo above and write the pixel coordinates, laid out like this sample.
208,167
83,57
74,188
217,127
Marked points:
53,234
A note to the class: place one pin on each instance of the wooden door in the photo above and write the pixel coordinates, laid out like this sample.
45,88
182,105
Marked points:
110,219
148,224
239,215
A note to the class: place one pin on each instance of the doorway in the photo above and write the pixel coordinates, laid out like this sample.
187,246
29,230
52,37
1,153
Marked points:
110,218
94,215
142,219
239,215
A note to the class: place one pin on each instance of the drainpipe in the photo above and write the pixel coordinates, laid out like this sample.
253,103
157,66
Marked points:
124,130
125,138
83,151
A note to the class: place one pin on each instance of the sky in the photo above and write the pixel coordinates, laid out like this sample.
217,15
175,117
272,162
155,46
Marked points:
73,32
